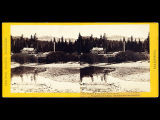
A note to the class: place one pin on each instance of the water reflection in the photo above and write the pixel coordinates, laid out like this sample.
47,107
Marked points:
25,74
95,73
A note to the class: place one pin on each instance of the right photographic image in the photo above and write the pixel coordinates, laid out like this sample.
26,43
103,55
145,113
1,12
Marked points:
116,61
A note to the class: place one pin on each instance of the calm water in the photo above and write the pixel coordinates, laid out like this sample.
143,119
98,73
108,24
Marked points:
31,79
99,79
25,74
94,74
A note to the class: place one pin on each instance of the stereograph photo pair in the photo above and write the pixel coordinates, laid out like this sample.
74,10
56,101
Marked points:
110,60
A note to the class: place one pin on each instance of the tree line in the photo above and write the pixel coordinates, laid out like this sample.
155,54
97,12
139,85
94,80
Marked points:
83,44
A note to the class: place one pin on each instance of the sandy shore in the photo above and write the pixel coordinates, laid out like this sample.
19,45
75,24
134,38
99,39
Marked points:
44,84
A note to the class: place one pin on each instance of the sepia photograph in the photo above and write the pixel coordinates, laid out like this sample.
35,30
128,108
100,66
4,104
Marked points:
80,58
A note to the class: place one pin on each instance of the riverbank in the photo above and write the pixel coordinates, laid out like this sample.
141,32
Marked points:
59,65
127,77
44,78
65,77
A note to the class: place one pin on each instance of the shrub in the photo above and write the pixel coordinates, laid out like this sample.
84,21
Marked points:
55,57
130,56
111,59
23,58
89,58
61,57
92,58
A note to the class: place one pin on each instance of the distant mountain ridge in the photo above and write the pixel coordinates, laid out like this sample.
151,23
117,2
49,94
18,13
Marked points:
113,37
118,37
48,38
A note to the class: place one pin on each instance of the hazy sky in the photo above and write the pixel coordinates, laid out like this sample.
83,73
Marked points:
72,31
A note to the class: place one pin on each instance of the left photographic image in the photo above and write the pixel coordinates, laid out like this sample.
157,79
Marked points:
42,62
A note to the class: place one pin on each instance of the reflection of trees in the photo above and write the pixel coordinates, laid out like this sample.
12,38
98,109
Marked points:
32,76
97,72
21,75
35,74
92,78
25,74
105,78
